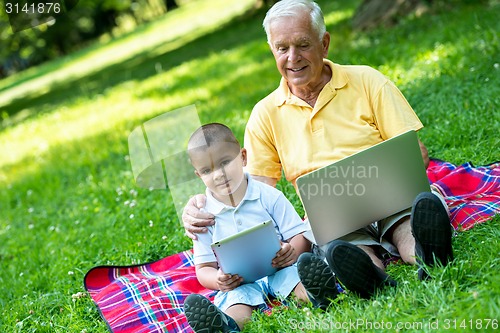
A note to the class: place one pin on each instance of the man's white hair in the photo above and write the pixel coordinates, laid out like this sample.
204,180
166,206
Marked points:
287,8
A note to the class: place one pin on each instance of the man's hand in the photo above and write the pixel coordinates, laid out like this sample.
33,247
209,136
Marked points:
285,257
425,153
194,220
227,282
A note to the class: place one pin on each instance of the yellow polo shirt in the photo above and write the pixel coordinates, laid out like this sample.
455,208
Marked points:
357,108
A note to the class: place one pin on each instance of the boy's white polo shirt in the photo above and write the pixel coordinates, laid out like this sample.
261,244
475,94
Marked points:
260,203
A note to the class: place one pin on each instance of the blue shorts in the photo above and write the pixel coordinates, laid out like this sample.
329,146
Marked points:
278,285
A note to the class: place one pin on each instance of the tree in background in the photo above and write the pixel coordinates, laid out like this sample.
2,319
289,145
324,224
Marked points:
374,13
74,28
171,4
89,19
265,3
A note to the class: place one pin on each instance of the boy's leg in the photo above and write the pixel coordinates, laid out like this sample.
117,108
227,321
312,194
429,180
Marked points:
204,317
300,292
241,313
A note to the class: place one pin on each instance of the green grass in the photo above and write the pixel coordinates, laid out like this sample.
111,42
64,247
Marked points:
467,290
66,183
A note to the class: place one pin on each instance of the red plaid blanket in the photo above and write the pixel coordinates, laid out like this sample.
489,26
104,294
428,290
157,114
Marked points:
471,193
145,298
148,298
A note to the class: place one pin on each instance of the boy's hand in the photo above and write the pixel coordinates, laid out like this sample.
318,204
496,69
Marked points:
285,257
227,282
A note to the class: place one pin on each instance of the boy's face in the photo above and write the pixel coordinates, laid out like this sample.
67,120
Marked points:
220,166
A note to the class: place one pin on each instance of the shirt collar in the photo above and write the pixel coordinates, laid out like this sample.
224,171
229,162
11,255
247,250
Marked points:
215,207
338,81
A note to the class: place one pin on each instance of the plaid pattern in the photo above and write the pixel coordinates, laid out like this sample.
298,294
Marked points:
145,298
149,298
472,194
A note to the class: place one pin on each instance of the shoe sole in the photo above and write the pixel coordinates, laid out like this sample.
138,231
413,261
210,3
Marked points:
202,315
317,278
355,269
431,229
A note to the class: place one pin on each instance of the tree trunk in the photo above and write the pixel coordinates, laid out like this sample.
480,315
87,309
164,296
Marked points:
265,3
171,4
373,13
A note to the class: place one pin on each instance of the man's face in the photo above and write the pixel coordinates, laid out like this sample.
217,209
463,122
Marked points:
298,51
220,166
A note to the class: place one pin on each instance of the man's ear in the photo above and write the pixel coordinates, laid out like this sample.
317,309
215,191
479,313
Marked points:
244,156
326,44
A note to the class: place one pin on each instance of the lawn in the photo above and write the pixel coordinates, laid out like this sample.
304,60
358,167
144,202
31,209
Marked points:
67,192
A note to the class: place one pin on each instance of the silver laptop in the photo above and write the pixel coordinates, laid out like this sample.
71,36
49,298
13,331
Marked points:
249,253
364,187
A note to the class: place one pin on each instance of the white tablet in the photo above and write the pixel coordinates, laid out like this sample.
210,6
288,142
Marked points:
249,253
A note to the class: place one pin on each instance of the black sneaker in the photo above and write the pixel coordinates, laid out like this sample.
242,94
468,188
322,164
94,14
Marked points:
204,317
355,269
430,225
318,279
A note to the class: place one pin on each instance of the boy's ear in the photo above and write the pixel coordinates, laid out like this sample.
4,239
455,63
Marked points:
244,156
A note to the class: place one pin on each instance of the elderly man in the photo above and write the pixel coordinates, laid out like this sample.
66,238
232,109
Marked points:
320,113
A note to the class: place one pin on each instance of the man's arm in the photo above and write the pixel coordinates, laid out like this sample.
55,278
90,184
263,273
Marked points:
266,180
194,220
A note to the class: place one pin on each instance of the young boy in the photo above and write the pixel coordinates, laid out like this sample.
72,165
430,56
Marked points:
238,202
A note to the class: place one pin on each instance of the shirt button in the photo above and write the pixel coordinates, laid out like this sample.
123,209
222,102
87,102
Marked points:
239,222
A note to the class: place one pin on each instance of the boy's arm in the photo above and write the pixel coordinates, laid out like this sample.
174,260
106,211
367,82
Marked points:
211,277
300,244
207,275
291,250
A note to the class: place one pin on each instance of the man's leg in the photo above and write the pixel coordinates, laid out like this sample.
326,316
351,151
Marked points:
401,237
317,278
424,235
356,269
366,239
431,228
355,261
370,251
